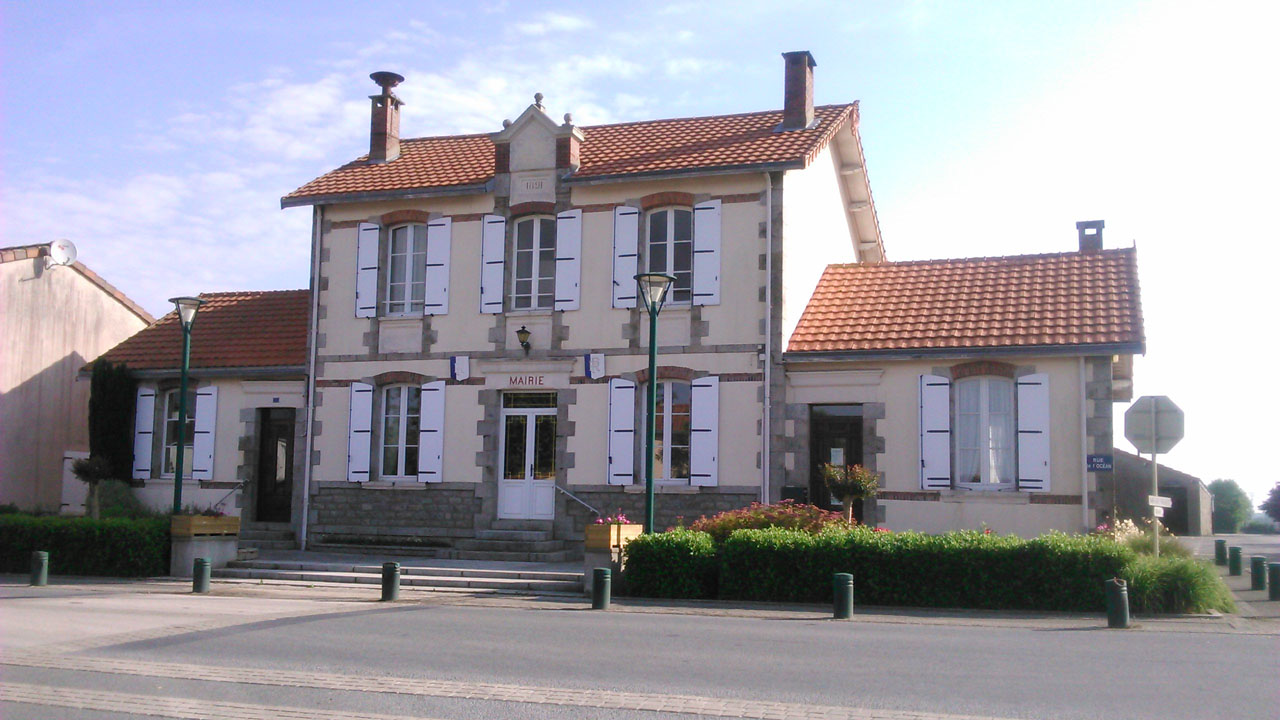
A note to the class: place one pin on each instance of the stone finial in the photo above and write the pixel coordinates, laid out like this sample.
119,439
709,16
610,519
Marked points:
537,100
506,124
568,118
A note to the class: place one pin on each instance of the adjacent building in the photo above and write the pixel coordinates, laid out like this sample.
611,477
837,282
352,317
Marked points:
54,319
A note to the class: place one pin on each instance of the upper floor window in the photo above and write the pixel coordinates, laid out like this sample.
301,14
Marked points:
672,421
401,419
171,408
670,250
985,431
406,270
533,284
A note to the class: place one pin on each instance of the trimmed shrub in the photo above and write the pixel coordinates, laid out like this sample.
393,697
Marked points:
81,546
967,569
674,564
1175,585
117,500
1169,545
786,514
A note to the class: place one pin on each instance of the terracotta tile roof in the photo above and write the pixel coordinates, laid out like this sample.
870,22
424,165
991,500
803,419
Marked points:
1060,299
32,252
232,330
651,146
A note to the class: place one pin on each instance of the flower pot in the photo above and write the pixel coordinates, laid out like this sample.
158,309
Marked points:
609,536
200,525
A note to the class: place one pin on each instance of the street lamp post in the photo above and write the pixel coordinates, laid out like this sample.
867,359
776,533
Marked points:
653,291
187,307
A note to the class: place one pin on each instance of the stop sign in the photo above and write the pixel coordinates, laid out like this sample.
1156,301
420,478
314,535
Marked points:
1153,424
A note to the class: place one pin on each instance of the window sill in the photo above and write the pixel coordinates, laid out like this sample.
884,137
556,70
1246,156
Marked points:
398,484
528,312
662,489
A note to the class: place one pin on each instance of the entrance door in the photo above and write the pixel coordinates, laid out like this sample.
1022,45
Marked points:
526,488
835,437
275,464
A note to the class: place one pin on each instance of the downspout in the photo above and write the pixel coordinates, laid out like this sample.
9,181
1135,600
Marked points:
1084,450
766,430
317,223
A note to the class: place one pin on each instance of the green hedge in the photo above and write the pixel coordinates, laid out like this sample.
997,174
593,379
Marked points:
82,546
674,564
961,569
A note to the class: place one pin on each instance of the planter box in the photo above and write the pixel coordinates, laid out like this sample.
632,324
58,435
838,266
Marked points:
201,525
611,536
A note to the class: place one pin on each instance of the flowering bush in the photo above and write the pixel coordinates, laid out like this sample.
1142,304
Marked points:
850,483
618,519
786,514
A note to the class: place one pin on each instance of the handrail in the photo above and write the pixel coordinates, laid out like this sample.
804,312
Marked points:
218,505
578,500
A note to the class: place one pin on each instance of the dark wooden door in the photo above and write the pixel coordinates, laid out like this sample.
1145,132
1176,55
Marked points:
835,437
275,464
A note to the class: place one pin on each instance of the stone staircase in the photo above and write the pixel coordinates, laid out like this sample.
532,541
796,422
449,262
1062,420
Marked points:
267,536
506,541
437,578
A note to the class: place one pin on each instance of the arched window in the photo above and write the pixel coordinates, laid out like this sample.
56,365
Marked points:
671,420
406,269
401,412
985,431
533,283
670,249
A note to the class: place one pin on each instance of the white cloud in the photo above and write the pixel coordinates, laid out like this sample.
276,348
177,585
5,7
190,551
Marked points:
553,22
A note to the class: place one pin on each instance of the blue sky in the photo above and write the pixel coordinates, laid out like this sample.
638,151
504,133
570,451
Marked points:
159,137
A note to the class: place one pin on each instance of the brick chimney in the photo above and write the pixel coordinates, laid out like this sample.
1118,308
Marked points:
384,136
797,106
1090,234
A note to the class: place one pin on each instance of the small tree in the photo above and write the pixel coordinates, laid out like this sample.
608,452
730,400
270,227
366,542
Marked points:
112,391
850,484
1231,506
1271,506
92,471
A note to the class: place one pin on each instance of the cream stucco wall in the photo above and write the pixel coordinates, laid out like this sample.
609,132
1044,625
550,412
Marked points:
54,321
895,384
815,231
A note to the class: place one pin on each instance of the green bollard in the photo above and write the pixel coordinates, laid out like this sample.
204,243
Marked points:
842,586
1273,581
39,568
1219,552
601,588
200,575
1117,603
390,581
1234,561
1258,572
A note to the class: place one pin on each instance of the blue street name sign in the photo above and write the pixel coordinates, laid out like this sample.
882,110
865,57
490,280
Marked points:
1099,463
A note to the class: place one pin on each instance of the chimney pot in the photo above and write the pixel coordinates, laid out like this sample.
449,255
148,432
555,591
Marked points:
797,106
1090,234
384,134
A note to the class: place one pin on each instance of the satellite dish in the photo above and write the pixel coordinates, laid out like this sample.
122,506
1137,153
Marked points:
61,252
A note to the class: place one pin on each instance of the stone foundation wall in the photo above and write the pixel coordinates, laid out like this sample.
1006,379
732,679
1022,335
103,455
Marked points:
341,513
669,508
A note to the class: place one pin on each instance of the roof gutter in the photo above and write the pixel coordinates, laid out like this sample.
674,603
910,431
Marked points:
664,174
964,353
282,372
411,193
313,329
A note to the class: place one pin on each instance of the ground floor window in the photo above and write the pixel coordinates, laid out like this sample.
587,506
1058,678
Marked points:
171,410
401,416
671,419
985,431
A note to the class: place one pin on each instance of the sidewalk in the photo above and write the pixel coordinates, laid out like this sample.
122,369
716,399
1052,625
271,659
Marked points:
1249,603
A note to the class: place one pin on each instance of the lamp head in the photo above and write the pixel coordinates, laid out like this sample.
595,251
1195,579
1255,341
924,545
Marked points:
653,290
187,307
523,336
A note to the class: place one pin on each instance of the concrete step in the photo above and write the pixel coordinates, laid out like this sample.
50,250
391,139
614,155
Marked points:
255,534
494,582
267,526
289,544
487,545
522,535
545,526
426,571
517,556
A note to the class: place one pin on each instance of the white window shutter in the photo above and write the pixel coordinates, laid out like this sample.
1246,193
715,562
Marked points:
143,422
439,236
706,253
202,444
431,433
568,259
492,256
1033,433
367,271
626,258
704,437
359,432
622,431
935,432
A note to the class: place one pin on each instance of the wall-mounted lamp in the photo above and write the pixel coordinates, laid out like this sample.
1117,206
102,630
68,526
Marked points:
523,336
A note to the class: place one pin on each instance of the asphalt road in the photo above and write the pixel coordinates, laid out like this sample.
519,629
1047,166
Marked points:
443,659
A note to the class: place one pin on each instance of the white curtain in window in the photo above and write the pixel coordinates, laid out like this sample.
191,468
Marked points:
968,431
1000,418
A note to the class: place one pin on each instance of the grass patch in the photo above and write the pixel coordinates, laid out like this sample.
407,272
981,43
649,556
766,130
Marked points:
1175,585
